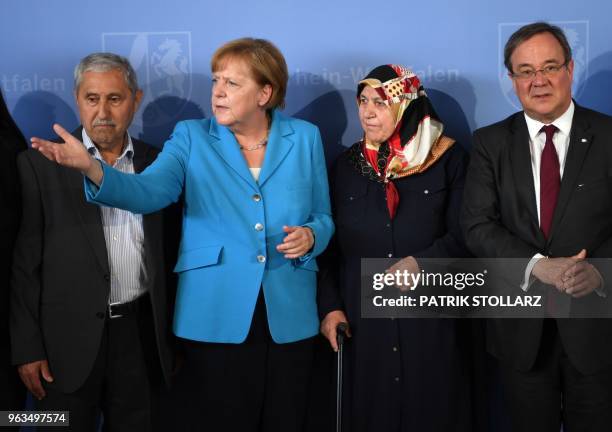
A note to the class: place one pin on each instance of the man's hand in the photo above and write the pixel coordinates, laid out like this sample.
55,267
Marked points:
329,324
30,375
581,279
72,154
408,264
552,271
297,242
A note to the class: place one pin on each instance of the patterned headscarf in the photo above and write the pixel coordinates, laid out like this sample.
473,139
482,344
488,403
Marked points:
417,141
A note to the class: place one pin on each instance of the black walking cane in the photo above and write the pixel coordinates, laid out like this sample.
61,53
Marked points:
340,335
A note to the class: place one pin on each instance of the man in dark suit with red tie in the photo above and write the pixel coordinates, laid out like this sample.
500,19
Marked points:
539,188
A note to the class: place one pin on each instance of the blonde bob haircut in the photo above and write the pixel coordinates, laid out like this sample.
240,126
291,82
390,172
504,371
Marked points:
265,60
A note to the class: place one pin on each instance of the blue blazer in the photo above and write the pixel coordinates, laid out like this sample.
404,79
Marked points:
232,225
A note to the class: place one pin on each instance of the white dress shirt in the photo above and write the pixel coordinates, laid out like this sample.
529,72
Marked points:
537,140
124,235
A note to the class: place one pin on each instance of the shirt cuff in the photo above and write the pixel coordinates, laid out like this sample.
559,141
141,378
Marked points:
528,279
601,289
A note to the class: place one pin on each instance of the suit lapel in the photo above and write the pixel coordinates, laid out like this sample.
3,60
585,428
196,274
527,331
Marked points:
225,145
523,174
143,155
279,145
89,214
580,142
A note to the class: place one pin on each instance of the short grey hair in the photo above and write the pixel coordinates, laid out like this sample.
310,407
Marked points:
104,62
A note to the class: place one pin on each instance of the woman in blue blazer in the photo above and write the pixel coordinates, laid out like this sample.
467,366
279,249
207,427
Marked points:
256,214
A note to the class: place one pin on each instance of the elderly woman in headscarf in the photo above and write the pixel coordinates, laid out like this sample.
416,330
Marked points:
396,193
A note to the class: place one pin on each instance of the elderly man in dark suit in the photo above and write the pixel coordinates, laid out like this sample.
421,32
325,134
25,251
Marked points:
90,306
539,187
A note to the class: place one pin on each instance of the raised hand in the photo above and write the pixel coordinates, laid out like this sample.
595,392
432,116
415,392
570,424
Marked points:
297,242
72,153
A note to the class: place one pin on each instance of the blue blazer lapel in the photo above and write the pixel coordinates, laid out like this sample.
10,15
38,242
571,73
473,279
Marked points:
226,146
279,145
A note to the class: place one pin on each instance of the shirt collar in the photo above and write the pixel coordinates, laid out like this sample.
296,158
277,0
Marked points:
128,150
563,123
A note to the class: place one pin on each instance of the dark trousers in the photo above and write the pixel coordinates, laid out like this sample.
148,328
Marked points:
554,392
257,385
123,383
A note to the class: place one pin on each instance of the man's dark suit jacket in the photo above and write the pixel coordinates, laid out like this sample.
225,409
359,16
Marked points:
61,283
500,220
12,394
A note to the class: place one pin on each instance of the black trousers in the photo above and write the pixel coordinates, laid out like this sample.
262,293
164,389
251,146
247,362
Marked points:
257,385
123,384
554,392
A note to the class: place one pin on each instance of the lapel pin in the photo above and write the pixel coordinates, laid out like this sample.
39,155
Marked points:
583,140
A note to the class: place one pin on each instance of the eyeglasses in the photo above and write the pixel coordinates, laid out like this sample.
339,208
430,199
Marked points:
530,74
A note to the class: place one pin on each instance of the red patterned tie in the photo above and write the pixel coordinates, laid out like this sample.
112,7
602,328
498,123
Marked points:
550,180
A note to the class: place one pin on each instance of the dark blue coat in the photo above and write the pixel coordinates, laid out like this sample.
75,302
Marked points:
400,374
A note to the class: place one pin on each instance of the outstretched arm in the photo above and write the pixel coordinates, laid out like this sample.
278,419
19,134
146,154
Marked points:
71,153
159,185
